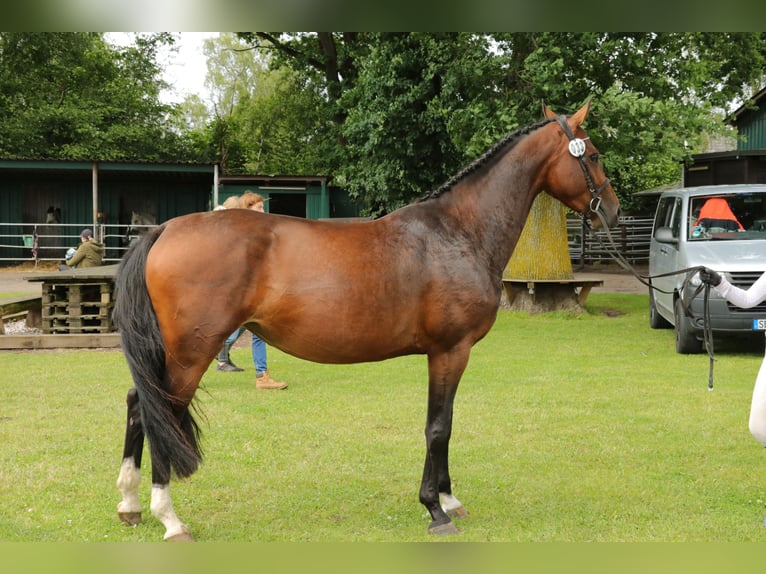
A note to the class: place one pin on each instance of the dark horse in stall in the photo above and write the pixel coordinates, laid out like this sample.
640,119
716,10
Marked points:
425,279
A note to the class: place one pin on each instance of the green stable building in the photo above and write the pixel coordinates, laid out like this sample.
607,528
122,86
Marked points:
52,200
746,163
301,196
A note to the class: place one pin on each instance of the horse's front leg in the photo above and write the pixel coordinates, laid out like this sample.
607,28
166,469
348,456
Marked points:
444,372
129,508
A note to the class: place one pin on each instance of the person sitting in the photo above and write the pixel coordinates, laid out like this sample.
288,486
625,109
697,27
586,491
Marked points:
717,213
90,253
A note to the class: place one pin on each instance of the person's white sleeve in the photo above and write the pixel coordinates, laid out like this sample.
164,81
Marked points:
744,298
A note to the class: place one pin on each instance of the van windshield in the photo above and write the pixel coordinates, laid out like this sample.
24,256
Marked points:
726,217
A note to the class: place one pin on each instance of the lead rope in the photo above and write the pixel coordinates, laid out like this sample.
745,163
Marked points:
577,150
707,330
708,333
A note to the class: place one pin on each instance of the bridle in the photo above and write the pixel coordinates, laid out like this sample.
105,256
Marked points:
577,150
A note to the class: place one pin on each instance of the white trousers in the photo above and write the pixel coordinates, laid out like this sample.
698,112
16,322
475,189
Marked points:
747,298
757,422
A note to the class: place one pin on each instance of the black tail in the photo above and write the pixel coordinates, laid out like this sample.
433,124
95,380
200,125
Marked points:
169,440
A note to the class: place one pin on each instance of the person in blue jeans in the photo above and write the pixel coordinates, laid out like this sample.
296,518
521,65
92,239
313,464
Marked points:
263,380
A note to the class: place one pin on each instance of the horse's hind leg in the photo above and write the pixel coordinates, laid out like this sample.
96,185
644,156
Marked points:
162,510
129,508
162,505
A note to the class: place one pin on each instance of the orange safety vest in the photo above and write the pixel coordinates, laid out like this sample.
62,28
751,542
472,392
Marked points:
717,208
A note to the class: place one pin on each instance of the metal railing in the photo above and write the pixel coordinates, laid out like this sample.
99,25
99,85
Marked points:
631,236
24,242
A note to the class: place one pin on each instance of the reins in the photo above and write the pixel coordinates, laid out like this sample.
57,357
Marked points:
707,330
577,150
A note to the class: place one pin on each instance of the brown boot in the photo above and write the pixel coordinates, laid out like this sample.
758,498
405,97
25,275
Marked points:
265,382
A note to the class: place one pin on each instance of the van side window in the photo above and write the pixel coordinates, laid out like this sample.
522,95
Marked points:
675,224
669,214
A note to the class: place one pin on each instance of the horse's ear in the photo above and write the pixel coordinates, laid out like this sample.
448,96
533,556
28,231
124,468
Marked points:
577,118
547,112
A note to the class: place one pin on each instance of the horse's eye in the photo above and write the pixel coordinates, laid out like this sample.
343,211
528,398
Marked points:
594,157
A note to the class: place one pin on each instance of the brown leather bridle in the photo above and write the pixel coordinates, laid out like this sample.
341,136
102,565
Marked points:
577,150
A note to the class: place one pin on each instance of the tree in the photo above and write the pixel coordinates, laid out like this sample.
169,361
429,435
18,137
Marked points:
404,111
393,131
541,257
260,121
416,113
657,97
73,96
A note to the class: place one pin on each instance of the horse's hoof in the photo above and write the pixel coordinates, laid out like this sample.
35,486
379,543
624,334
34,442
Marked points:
130,518
442,529
458,512
183,536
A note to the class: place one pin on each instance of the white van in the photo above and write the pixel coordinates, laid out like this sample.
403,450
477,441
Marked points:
731,240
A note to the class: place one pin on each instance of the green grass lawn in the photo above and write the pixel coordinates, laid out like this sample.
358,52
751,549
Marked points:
566,428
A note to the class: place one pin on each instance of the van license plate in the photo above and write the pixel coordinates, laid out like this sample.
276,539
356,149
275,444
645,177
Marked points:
759,324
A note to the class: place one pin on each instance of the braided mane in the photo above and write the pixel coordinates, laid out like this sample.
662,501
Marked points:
511,139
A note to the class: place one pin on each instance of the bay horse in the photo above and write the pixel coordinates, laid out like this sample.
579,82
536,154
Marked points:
424,279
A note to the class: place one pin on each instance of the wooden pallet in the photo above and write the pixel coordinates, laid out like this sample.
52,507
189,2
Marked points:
77,307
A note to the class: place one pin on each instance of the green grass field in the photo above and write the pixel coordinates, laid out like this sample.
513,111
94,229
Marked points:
566,428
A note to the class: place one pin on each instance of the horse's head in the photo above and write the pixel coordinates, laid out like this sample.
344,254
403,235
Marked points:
53,215
140,218
576,177
139,224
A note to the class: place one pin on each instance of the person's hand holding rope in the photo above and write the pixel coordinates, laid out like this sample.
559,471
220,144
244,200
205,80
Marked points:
710,277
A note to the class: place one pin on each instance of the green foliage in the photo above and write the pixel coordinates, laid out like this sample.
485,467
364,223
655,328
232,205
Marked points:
73,96
262,122
389,115
617,439
412,108
416,105
657,97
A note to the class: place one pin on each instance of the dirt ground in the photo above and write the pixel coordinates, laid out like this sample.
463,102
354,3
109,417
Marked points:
616,279
13,279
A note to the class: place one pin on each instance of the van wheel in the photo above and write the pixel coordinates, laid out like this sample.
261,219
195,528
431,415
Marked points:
656,321
687,342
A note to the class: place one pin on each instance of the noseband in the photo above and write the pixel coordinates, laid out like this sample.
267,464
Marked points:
577,150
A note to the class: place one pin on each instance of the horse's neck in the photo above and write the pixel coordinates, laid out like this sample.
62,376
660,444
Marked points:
496,204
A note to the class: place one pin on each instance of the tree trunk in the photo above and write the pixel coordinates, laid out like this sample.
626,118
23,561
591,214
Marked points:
540,259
